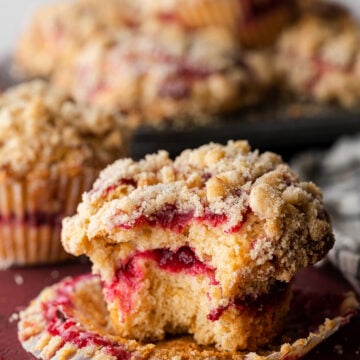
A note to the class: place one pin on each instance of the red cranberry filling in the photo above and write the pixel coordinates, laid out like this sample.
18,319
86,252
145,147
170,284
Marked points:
178,85
182,260
61,322
323,67
170,217
37,218
112,187
127,282
129,276
255,304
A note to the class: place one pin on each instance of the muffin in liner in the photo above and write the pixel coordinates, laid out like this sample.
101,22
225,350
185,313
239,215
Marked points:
192,244
51,151
69,320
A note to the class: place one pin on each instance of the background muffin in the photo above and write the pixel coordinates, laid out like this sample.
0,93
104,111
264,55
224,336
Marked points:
176,73
57,31
319,57
51,150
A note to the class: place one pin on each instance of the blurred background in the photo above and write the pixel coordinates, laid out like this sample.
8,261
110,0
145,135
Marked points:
17,13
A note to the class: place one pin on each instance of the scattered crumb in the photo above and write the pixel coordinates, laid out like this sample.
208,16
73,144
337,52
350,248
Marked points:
338,349
55,274
19,280
13,317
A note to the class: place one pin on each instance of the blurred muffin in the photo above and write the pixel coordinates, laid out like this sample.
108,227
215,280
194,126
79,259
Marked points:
58,30
51,150
319,57
257,22
169,74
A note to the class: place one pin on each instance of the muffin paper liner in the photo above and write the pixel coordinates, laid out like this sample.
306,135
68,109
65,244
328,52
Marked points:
30,217
69,320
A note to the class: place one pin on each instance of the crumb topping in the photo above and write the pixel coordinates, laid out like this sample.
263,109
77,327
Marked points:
326,52
57,31
160,70
41,130
225,180
245,213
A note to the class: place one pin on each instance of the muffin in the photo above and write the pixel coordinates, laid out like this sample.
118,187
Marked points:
319,57
58,31
172,74
205,244
51,151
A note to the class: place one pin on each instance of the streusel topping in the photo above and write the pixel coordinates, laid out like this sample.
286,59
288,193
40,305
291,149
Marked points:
163,75
41,130
223,180
320,56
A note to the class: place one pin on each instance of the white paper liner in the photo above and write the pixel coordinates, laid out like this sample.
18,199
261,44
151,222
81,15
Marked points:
88,311
23,243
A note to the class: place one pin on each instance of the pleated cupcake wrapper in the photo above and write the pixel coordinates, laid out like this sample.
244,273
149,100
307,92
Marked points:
25,241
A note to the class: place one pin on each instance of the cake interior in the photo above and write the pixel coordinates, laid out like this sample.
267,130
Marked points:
159,292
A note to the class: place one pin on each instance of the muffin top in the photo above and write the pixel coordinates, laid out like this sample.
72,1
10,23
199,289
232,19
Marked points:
42,131
223,180
57,31
161,71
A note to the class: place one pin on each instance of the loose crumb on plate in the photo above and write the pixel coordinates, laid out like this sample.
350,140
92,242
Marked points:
19,280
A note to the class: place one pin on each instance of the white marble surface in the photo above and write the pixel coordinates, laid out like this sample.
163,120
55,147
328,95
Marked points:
14,14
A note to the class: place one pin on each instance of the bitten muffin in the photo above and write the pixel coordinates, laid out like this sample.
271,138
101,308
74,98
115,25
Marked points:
319,57
58,31
200,244
51,150
172,74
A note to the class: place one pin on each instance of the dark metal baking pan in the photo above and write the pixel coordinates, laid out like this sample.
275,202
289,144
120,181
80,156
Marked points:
285,129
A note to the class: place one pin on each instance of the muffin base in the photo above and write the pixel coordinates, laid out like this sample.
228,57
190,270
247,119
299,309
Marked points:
76,305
